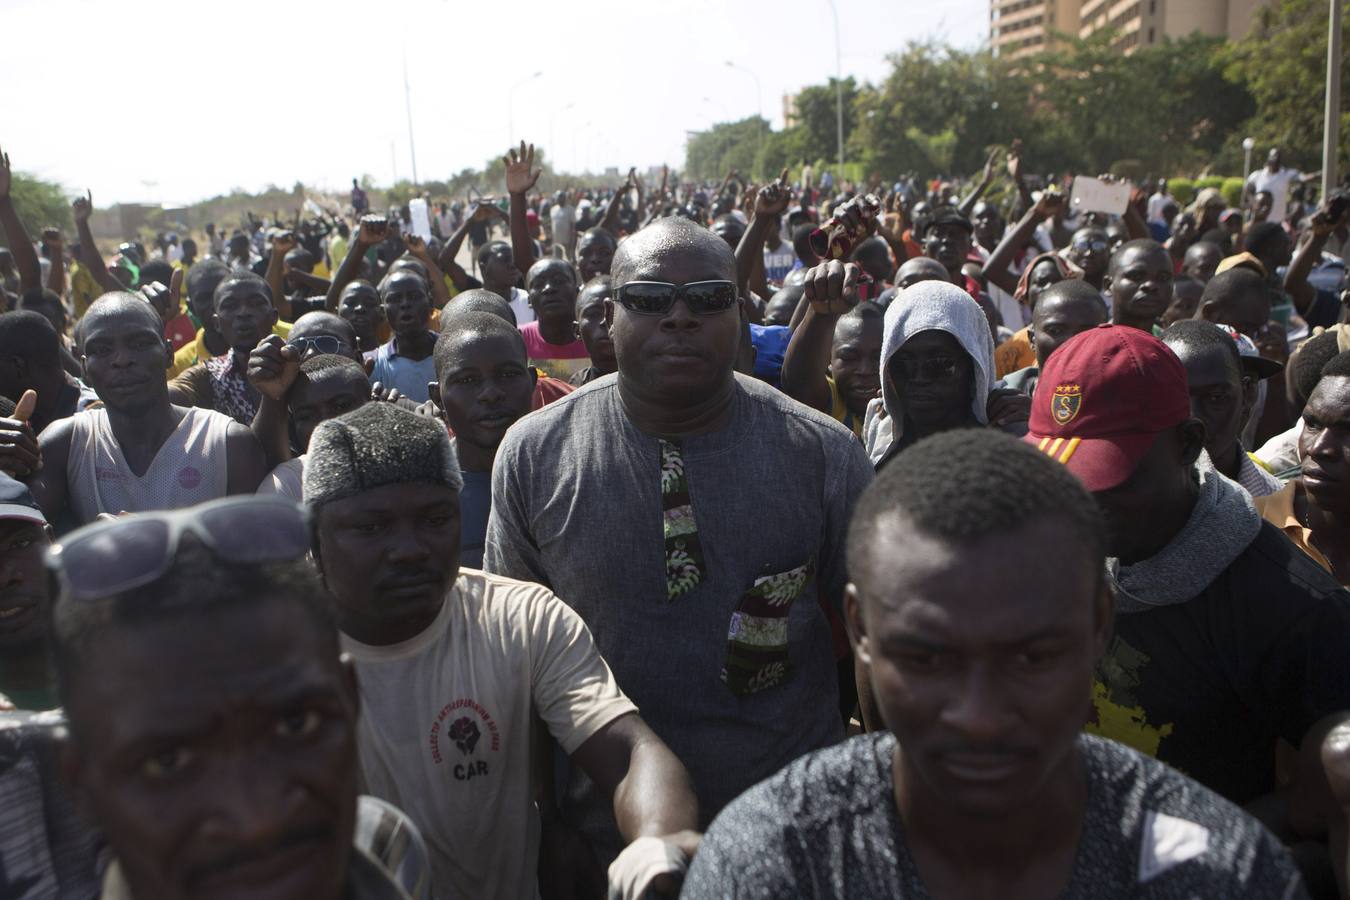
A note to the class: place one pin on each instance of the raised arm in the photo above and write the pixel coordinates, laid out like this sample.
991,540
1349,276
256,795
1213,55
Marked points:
272,369
830,290
440,295
1024,198
371,231
521,176
56,272
20,245
483,212
276,273
610,220
82,209
1133,220
987,179
996,269
770,202
1296,282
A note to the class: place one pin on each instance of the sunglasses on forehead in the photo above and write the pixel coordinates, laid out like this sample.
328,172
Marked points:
108,558
655,298
323,343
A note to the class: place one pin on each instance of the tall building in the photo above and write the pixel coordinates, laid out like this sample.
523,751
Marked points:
1021,27
1139,23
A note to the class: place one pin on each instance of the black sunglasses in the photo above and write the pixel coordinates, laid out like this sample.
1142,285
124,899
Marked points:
655,298
107,558
323,343
935,368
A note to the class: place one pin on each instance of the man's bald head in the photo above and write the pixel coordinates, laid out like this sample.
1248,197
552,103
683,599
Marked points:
120,303
671,236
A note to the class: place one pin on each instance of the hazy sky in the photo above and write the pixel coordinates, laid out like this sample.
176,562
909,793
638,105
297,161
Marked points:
143,100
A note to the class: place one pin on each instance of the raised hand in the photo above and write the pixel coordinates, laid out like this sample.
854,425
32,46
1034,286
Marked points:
1015,160
832,287
284,243
520,172
273,366
774,197
83,207
373,230
991,163
485,212
1050,203
20,455
5,176
416,246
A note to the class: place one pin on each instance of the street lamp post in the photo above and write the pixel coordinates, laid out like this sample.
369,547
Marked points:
838,93
551,119
759,106
510,111
1331,128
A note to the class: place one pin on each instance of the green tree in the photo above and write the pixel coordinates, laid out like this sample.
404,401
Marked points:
1282,63
39,204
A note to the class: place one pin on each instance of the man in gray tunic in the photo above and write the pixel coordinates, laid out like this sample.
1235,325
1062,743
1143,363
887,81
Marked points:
695,519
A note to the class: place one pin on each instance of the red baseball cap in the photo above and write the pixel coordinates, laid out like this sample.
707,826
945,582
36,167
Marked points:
1103,398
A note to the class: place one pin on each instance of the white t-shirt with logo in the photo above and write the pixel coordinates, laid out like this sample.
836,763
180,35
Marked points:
445,725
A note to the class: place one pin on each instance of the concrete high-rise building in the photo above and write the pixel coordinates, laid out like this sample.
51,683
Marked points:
1139,23
1021,27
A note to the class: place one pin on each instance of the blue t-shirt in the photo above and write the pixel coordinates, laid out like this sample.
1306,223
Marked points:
770,347
475,502
410,376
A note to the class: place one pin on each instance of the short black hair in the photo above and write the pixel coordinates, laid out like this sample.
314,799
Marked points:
1075,289
156,270
244,276
1234,282
1143,244
478,300
1262,238
1337,367
862,312
1309,360
948,215
479,324
801,242
1199,334
330,363
488,248
968,484
197,582
598,233
205,277
30,335
598,283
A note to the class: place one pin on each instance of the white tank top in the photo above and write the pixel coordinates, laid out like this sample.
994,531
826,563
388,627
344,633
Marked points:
190,467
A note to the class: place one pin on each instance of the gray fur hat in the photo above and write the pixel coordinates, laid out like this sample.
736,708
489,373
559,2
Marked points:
375,445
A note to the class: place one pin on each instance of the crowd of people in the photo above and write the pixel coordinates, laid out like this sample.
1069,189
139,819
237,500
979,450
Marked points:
804,539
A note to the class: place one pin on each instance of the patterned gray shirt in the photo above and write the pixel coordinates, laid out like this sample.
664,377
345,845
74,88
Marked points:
827,826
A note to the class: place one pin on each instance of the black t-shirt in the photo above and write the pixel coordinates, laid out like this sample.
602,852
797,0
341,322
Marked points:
827,826
1207,686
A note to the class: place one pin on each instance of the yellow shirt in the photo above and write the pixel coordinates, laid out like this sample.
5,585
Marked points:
192,353
1013,354
840,412
1278,510
84,290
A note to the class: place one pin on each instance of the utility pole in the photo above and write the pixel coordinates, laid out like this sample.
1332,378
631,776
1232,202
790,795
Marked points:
1331,129
407,103
838,95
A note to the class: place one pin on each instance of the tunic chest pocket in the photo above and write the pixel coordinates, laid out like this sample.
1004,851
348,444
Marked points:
757,640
